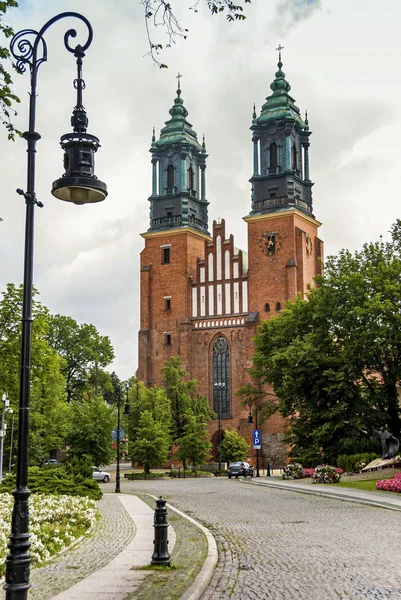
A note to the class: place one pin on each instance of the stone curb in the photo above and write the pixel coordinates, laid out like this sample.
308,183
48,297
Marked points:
351,496
202,580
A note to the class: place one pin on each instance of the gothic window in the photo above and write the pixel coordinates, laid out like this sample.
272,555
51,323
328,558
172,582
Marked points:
294,157
278,306
221,378
273,157
170,177
267,307
190,178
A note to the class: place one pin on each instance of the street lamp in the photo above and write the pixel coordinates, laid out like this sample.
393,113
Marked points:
127,411
78,185
219,387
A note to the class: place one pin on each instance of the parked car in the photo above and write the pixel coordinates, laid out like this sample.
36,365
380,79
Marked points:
239,468
100,475
50,461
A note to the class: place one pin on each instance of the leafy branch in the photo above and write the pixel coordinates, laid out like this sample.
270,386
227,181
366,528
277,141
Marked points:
160,13
7,97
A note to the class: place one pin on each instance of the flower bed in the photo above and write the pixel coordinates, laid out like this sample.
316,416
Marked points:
292,471
390,485
54,523
326,474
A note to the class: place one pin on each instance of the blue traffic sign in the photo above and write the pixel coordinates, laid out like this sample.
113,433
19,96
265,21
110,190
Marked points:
114,434
257,442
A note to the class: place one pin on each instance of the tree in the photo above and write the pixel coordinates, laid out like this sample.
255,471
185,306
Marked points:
316,386
84,351
194,445
233,446
112,391
261,404
49,418
141,398
152,442
160,13
7,97
179,392
363,291
91,427
335,360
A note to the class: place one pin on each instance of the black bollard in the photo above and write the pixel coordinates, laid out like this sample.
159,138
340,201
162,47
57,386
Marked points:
160,555
268,469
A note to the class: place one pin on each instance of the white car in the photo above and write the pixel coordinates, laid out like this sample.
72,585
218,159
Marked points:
100,475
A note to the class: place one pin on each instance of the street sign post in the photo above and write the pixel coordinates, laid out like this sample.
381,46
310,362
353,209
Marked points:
257,442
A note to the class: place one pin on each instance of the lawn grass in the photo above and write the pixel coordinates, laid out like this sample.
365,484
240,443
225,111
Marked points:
360,485
367,481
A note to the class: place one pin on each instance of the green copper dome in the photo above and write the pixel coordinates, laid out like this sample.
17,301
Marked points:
280,105
178,130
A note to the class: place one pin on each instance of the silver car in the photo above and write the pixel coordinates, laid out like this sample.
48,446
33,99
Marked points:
100,475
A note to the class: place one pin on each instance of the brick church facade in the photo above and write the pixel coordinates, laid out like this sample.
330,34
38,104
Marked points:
201,297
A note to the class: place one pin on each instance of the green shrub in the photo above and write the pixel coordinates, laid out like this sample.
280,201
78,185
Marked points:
80,467
55,481
307,460
353,463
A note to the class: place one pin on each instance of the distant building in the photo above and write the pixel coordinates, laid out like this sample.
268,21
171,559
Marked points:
201,297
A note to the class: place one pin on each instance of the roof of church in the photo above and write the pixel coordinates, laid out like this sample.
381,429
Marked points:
177,130
280,105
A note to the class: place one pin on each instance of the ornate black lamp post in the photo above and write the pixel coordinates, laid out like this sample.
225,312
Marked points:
78,185
219,386
118,489
127,411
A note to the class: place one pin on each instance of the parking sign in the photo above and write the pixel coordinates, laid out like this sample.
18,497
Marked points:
257,442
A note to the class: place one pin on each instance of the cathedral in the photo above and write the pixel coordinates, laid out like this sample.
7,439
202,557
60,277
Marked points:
202,298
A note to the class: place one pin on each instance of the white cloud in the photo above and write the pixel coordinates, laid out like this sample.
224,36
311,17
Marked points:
87,258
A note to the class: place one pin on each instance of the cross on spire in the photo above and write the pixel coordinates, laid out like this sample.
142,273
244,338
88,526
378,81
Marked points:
179,79
279,48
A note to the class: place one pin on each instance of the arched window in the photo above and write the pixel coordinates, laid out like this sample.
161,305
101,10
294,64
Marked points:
170,177
190,178
278,306
267,307
221,378
273,157
294,157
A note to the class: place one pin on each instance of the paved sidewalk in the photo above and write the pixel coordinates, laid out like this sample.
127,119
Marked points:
383,500
119,577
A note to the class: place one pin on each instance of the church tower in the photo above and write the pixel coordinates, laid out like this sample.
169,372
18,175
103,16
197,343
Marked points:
178,182
284,249
174,241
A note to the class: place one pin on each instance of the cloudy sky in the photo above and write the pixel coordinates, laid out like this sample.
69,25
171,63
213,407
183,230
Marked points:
341,58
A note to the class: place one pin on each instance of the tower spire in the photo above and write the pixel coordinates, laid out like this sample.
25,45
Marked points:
178,173
280,149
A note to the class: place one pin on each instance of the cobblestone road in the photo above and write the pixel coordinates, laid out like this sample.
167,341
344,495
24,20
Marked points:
284,546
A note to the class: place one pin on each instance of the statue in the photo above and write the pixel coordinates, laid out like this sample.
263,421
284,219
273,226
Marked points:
390,444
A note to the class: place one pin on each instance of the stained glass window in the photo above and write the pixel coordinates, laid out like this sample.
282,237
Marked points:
221,378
